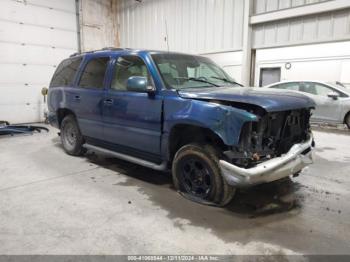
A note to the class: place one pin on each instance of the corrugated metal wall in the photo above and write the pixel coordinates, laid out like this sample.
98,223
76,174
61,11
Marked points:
204,26
264,6
332,26
194,26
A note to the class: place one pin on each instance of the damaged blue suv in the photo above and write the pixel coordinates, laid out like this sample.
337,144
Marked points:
179,112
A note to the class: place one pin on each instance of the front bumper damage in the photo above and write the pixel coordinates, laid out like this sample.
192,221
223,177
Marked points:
299,156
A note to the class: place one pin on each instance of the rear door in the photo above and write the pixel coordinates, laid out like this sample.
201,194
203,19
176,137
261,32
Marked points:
132,119
87,98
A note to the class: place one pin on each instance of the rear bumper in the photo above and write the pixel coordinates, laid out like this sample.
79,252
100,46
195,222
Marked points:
298,157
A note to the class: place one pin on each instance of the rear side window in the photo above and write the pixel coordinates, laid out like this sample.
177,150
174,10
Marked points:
94,73
65,73
288,86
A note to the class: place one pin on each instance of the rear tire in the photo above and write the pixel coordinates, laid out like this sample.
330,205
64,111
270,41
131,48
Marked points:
71,137
196,174
347,120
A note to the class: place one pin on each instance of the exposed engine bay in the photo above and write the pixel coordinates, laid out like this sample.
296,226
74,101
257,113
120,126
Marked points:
273,135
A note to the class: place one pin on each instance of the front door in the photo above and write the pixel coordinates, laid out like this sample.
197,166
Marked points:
132,120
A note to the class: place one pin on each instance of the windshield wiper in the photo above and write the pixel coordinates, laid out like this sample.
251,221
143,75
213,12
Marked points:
198,80
202,80
226,80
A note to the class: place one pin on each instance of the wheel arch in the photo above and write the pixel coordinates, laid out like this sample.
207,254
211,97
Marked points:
345,117
62,113
182,134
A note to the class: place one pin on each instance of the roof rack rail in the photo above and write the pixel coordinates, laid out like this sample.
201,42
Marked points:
102,49
113,48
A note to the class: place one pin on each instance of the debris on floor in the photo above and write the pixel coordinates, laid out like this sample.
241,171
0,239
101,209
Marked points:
7,129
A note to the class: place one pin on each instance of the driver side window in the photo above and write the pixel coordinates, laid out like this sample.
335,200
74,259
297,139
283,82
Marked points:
125,67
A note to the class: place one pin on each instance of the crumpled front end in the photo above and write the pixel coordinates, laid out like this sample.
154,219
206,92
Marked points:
298,157
280,144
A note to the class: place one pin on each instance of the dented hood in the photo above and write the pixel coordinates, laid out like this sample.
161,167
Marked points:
271,100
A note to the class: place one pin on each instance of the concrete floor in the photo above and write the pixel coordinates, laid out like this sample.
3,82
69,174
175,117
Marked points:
52,203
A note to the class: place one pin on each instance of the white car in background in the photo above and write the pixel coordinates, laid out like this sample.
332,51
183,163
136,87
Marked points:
332,99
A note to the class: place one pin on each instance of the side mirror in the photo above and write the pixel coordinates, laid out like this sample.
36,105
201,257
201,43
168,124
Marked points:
139,84
333,95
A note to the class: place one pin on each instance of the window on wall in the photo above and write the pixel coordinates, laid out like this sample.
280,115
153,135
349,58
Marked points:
127,66
94,73
65,73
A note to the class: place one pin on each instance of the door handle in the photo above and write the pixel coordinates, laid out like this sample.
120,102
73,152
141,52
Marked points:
77,98
108,101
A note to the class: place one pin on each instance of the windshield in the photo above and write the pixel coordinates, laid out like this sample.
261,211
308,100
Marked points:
186,71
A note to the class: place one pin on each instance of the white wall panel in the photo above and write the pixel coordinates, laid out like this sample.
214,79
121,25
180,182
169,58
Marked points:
64,5
334,26
31,54
323,62
19,107
17,74
195,26
21,33
35,35
36,15
344,73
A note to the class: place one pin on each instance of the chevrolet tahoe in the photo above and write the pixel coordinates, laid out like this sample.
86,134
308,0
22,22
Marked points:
180,112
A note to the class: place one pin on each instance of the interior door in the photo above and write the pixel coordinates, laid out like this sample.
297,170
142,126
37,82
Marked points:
327,108
88,97
132,120
269,76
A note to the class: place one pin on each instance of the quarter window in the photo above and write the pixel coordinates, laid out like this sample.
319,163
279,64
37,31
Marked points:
94,73
65,73
127,66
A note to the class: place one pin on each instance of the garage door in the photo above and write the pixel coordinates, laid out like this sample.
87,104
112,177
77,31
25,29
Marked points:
35,35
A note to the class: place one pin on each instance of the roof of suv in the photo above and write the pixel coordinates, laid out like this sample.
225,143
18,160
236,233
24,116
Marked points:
117,50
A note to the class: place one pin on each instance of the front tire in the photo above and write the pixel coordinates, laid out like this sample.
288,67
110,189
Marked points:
71,137
196,174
